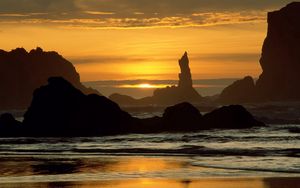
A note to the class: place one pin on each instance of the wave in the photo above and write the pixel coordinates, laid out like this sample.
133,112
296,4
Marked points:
187,150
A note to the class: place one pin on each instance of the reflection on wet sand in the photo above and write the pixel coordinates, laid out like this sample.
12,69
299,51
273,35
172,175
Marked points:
122,172
55,166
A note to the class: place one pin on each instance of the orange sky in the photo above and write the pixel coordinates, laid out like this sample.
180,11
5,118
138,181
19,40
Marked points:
221,43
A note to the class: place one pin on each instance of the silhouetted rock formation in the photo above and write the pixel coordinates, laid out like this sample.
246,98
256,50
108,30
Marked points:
280,62
59,109
184,92
182,117
126,100
238,92
9,126
280,58
233,116
23,71
185,77
62,110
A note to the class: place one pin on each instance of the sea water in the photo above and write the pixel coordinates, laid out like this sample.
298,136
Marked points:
271,151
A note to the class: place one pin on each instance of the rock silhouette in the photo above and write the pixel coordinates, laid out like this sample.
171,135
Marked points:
22,72
184,92
280,58
239,91
60,109
9,126
280,62
179,115
233,116
185,77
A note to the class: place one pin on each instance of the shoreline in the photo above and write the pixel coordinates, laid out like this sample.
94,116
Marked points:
213,182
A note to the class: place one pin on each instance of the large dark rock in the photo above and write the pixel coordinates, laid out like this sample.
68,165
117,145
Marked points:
184,92
59,109
22,72
239,92
182,117
280,60
230,117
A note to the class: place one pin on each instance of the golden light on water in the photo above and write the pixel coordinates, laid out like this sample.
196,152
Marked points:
144,86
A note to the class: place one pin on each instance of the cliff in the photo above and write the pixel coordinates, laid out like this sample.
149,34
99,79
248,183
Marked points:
22,72
280,62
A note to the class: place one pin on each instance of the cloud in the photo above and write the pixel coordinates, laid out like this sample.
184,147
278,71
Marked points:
135,13
227,57
106,59
215,57
13,15
99,13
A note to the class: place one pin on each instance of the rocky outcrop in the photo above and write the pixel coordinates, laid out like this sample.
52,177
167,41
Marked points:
22,72
280,62
185,76
59,109
184,92
239,92
182,117
9,126
230,117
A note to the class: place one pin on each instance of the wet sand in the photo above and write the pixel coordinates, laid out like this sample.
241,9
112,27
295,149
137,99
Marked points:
162,183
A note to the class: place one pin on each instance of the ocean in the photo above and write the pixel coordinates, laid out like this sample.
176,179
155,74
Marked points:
261,152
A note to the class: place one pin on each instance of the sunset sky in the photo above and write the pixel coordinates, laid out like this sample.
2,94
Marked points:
142,39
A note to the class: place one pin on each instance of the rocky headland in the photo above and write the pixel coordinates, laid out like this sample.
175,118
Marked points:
22,72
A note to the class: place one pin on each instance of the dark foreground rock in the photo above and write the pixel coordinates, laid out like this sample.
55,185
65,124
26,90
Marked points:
280,62
230,117
22,72
9,126
182,117
60,109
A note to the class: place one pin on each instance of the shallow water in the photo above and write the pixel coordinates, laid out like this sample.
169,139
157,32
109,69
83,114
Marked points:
272,151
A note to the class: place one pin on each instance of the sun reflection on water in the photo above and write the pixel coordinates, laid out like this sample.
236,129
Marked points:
144,86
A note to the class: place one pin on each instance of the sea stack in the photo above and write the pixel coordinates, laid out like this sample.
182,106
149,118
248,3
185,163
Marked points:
184,92
280,62
185,77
